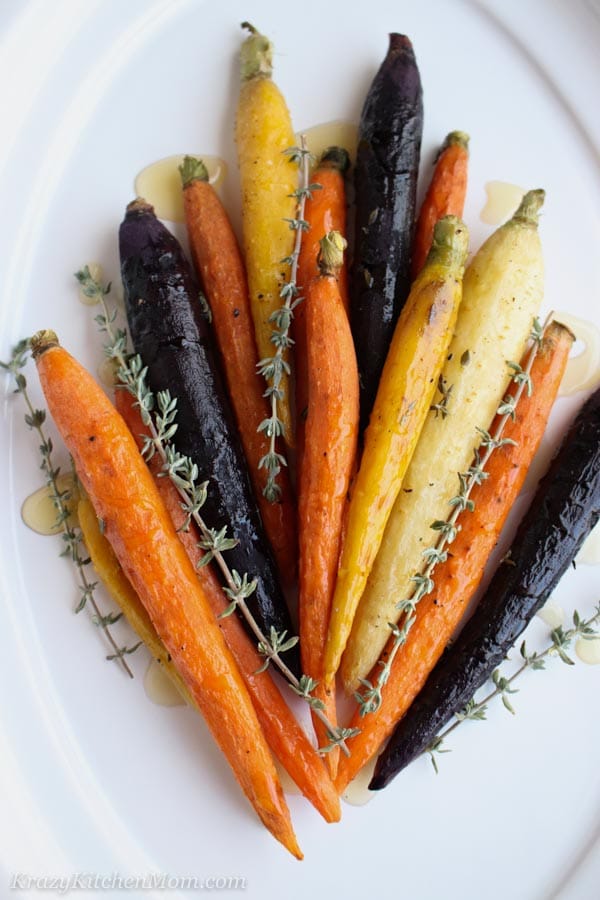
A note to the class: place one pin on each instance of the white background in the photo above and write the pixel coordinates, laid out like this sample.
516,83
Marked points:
93,776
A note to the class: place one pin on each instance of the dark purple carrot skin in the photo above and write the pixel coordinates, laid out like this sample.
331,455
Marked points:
174,341
564,510
385,176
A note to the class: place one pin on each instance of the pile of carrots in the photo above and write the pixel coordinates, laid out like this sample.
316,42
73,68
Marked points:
330,527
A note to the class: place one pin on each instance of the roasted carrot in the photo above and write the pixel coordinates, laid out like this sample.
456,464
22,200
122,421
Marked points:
177,347
457,579
563,511
220,268
445,195
325,211
328,459
284,735
411,371
385,181
263,133
502,293
145,542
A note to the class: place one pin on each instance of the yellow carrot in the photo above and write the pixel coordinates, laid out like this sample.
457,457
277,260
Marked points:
408,382
268,180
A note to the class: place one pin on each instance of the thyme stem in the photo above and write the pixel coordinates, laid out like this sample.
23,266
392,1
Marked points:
183,473
273,368
560,641
71,536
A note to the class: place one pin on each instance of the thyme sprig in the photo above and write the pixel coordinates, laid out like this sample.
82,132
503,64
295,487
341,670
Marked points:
369,697
158,413
560,641
72,538
445,391
273,368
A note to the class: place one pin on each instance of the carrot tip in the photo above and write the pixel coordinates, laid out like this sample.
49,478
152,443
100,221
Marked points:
139,205
192,169
42,341
454,139
458,137
331,253
336,158
256,55
399,42
528,211
450,241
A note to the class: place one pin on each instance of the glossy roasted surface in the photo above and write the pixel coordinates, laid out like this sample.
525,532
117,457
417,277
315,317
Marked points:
385,178
564,510
173,338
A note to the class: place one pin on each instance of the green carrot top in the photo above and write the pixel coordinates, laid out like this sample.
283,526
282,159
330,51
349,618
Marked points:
192,169
256,55
450,243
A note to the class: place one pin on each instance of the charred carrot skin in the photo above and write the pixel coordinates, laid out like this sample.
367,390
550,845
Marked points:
142,535
176,344
565,508
220,268
385,178
445,195
328,459
456,580
284,735
325,211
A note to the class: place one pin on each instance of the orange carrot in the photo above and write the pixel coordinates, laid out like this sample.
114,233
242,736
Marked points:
284,735
221,270
457,579
327,462
325,211
145,542
445,195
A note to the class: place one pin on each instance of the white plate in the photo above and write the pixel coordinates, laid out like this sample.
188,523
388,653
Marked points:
93,776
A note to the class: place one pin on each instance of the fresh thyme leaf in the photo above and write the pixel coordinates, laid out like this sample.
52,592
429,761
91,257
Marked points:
560,640
337,738
108,619
436,746
124,651
472,711
441,407
537,331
